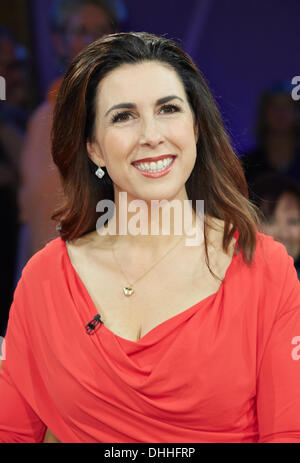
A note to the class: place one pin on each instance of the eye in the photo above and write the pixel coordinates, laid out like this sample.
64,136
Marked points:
123,116
120,116
172,108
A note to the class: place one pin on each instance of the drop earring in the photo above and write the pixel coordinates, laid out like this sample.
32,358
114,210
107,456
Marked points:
99,172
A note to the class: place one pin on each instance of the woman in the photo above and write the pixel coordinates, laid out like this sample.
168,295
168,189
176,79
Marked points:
122,338
278,197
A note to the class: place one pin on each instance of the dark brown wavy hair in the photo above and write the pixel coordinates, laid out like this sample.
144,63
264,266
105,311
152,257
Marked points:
217,177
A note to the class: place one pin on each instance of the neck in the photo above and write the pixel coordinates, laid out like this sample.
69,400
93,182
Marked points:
154,226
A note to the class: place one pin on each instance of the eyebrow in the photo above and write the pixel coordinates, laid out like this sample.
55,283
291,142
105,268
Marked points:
160,101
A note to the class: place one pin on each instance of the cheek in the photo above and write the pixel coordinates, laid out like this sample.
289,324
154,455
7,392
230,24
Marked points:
183,132
117,146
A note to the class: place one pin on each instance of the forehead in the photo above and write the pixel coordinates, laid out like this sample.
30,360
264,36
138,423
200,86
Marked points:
139,82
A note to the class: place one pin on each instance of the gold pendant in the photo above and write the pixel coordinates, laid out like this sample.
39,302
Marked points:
128,291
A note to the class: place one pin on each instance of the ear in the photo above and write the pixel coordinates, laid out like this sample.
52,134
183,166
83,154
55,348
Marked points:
95,153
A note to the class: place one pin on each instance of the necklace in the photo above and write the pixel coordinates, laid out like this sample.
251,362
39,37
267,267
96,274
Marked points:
128,289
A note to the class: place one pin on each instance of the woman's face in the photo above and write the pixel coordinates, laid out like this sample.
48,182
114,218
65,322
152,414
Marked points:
144,128
285,225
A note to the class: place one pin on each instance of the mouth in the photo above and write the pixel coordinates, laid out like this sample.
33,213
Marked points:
155,159
155,167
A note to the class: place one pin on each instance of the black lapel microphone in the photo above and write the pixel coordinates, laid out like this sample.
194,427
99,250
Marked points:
93,325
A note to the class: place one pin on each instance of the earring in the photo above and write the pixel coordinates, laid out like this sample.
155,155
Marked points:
99,172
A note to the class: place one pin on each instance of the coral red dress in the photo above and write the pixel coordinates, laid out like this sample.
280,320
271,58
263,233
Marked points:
226,369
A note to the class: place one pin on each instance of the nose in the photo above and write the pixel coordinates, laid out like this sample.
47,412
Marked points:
151,133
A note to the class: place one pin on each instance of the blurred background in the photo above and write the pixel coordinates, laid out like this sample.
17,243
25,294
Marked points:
248,52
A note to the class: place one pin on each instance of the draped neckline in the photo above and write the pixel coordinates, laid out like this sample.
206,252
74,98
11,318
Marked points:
177,317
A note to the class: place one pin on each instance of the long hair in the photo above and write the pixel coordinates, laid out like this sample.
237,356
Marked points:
217,177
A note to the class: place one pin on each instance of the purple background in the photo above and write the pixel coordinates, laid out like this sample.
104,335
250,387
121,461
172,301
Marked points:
241,47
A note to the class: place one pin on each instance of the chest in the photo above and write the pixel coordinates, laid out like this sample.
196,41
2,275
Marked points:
176,285
199,373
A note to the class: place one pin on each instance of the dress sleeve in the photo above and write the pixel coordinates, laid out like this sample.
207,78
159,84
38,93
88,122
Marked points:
278,380
18,420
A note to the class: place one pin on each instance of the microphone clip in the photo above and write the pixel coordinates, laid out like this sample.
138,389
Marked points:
90,328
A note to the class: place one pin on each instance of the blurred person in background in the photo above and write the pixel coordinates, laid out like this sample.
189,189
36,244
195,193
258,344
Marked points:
74,24
278,198
13,118
278,137
14,63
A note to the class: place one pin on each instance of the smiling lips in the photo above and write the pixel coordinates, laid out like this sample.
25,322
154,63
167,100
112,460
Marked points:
155,159
160,167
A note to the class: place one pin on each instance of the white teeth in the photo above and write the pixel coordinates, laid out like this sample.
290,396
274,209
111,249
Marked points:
154,166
